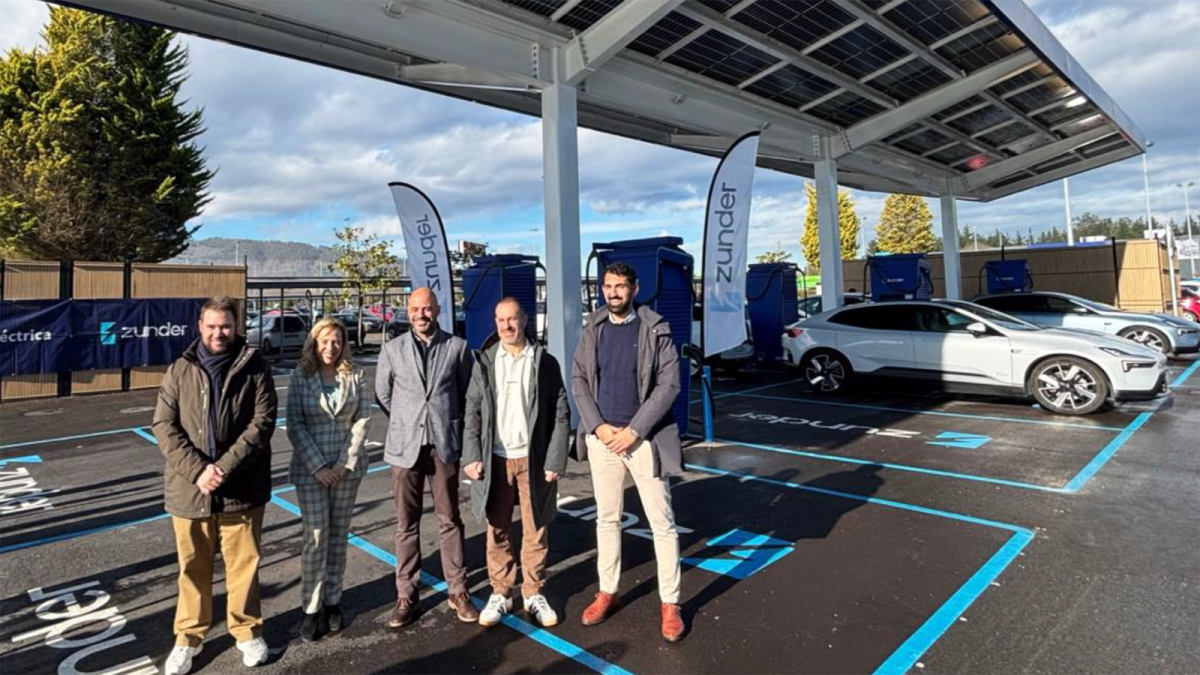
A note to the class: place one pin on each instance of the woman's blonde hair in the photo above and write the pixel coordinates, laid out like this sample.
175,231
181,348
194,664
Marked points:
310,360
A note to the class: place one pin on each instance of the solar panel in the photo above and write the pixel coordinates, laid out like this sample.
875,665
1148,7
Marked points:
670,29
722,58
859,51
791,86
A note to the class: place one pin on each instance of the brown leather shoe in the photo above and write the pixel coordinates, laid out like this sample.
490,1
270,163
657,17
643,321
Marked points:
403,613
601,608
461,602
672,622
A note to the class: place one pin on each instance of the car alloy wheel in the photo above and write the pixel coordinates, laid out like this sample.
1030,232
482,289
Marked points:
1191,317
1149,337
826,372
1070,387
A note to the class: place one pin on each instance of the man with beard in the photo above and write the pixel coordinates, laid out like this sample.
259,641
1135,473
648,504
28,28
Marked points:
214,420
625,378
421,383
517,431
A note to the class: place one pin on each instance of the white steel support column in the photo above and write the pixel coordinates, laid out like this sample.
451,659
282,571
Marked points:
560,187
951,260
825,174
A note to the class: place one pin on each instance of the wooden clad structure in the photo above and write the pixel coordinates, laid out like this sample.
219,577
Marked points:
1132,275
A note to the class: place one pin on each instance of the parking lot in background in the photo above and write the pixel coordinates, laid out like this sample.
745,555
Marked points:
886,532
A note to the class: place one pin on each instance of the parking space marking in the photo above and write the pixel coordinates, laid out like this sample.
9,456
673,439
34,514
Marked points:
906,655
1185,375
937,413
541,636
142,431
60,439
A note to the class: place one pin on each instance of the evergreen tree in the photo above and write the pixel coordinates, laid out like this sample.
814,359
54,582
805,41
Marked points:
906,225
848,226
97,155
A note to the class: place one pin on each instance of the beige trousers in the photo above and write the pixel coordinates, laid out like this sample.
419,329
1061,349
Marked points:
608,485
196,539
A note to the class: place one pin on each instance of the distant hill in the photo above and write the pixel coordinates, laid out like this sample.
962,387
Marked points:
263,258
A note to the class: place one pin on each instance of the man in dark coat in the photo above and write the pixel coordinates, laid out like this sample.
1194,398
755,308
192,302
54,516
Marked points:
515,438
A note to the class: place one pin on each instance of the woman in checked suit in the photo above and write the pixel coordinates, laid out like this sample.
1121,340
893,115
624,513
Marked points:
328,412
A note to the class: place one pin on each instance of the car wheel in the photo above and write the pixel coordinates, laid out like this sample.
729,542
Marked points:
1191,316
1068,386
1147,336
266,347
827,372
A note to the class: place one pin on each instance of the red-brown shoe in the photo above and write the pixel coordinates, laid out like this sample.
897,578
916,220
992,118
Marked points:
672,622
601,608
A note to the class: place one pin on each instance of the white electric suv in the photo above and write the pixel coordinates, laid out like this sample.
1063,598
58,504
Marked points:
963,346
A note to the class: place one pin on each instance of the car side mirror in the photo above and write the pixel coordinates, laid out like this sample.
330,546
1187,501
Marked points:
978,329
1082,311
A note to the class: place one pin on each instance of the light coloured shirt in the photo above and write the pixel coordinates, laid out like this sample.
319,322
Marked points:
513,382
630,316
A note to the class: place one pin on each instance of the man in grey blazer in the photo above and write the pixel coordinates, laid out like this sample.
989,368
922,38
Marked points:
421,382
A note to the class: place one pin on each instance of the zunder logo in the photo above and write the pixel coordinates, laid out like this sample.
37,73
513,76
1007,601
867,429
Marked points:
110,332
107,336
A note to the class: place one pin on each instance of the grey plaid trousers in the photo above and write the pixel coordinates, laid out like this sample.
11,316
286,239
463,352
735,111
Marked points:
326,517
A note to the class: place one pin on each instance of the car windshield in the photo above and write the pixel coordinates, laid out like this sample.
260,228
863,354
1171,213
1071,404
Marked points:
998,318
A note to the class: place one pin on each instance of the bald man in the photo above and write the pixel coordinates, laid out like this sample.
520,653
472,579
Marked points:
425,374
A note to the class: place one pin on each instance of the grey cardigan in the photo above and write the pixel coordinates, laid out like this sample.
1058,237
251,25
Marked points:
423,411
322,437
658,387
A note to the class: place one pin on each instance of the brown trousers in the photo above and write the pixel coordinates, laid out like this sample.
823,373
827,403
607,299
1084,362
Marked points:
408,485
510,485
196,541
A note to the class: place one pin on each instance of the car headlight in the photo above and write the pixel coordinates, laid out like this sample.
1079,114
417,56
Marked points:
1113,351
1185,331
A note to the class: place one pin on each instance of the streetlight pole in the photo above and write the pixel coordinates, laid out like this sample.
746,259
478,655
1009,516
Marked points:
1170,238
1067,206
1187,210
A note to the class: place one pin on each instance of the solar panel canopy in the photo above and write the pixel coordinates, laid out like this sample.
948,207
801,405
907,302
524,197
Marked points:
973,98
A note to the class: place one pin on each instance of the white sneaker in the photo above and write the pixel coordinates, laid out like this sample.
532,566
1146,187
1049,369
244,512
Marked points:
179,661
254,652
540,610
497,606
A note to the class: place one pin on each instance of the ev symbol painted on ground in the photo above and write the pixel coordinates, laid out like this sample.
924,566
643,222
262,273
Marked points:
750,552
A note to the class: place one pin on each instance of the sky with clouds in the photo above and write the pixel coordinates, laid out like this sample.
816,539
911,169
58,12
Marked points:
302,149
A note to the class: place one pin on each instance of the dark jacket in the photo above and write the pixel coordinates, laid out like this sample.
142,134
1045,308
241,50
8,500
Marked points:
245,424
658,387
549,418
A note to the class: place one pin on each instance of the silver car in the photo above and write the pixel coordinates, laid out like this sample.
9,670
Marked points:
275,333
1162,332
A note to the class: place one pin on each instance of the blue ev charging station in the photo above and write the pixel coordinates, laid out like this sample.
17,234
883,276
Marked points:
664,272
489,280
771,302
1008,276
900,277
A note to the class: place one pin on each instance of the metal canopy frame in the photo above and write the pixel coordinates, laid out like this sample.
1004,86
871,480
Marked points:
955,99
881,79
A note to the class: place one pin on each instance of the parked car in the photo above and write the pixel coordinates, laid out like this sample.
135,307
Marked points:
399,325
811,305
963,346
1163,332
1189,304
276,333
729,360
370,322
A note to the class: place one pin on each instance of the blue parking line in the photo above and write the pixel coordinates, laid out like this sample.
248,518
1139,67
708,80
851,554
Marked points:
1085,474
141,431
1185,375
889,465
81,533
744,391
938,413
68,438
542,637
905,656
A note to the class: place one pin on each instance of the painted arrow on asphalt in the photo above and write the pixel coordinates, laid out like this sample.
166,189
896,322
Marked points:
27,459
953,439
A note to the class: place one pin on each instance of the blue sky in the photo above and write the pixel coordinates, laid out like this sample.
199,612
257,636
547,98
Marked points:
302,149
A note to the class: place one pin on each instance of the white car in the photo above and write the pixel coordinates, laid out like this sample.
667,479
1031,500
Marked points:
811,306
273,333
1163,332
961,345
